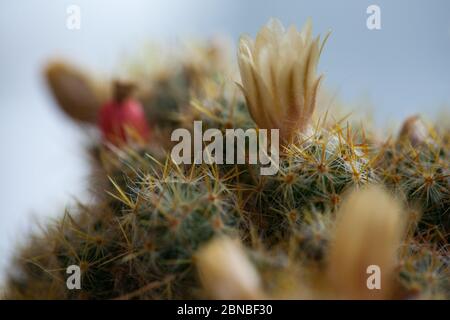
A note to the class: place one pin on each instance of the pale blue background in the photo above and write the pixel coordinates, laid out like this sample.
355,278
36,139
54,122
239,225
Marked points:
402,69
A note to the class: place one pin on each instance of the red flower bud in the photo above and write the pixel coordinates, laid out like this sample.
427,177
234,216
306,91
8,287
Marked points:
123,118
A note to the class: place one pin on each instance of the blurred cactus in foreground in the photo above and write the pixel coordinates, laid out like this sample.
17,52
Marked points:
342,200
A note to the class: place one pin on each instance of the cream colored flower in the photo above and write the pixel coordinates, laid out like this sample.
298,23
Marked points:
278,72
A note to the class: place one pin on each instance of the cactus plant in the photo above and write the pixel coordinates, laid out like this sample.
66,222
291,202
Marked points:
157,229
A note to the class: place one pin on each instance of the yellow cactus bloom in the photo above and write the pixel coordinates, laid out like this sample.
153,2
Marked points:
278,73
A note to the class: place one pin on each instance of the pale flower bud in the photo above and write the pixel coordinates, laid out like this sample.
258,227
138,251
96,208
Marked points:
370,225
226,272
414,131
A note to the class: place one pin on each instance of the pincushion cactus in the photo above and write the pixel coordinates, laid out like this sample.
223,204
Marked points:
158,230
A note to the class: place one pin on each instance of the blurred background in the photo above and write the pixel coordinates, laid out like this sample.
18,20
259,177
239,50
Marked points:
401,69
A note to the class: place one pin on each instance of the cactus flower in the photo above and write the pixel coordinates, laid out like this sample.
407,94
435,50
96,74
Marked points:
279,80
